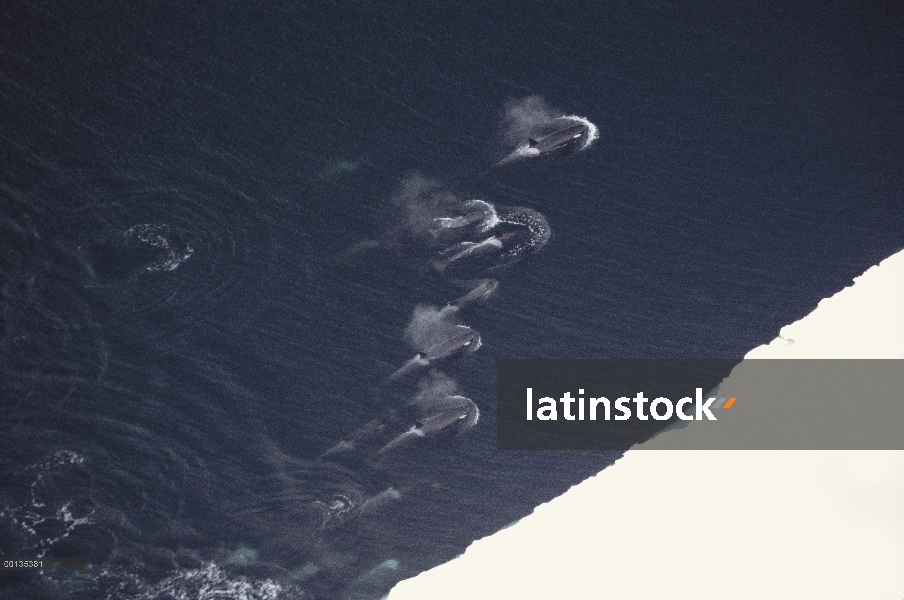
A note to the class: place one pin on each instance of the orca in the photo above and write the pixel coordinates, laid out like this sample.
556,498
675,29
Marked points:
467,341
365,433
475,297
451,421
563,142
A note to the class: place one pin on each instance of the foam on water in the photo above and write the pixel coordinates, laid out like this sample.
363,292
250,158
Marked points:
536,223
160,236
473,411
336,508
42,520
207,583
593,133
491,220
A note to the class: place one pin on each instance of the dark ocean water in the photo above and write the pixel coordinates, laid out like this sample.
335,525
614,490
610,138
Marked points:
207,259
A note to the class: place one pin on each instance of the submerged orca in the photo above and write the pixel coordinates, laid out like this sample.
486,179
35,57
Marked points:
367,432
463,220
453,346
495,243
477,296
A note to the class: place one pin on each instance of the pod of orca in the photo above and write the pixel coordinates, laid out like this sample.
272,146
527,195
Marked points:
484,236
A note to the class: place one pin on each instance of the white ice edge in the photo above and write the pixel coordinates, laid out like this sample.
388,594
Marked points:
719,524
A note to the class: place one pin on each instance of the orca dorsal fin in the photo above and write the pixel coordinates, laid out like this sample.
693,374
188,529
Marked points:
531,142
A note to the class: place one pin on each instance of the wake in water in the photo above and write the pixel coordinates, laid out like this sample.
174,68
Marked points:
173,252
38,518
206,583
536,225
